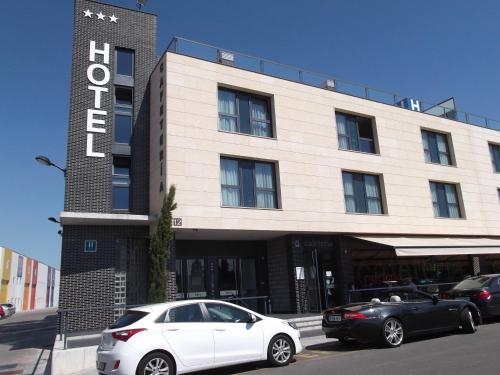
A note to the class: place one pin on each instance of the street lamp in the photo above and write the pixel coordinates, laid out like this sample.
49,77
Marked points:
54,220
47,162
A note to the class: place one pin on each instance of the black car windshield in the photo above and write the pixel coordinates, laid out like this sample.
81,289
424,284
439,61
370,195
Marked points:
473,282
130,317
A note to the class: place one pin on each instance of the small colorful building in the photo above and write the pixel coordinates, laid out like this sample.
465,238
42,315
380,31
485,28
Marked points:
27,283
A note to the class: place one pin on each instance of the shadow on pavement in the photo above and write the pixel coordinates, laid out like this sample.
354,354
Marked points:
27,334
234,369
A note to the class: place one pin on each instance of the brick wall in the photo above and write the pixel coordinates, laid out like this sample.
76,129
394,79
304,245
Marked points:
279,276
88,179
88,279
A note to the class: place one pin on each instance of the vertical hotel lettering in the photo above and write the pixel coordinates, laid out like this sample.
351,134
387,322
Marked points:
95,115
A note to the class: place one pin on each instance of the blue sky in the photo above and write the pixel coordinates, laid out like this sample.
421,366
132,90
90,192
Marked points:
427,49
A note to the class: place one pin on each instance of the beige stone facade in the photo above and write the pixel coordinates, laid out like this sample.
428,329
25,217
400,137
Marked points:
308,160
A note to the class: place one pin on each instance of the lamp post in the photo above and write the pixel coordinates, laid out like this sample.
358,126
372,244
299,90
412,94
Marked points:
54,220
47,162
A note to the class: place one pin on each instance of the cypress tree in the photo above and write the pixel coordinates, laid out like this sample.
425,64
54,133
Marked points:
160,250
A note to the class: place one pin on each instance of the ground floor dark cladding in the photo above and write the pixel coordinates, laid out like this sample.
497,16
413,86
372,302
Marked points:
305,274
287,274
97,281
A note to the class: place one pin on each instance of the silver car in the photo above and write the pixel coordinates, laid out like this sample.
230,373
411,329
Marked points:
9,309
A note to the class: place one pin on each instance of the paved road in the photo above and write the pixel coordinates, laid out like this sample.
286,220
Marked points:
446,354
25,342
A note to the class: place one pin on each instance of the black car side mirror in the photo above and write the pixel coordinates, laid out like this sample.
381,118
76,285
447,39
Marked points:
435,299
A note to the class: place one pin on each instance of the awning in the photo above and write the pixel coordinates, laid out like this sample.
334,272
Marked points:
428,246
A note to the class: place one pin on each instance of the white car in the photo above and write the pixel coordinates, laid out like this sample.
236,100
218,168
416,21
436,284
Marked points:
184,336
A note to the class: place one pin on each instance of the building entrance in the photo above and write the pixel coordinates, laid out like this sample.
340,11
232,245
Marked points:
217,278
321,277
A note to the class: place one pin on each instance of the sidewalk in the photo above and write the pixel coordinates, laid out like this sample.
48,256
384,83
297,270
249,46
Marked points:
306,342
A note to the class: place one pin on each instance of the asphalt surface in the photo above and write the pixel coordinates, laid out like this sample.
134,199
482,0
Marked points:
451,353
26,340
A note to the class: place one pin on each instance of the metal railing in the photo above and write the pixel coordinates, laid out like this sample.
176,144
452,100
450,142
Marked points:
366,294
243,301
72,322
255,64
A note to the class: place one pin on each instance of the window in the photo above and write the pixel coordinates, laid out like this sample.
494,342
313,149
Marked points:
221,313
445,200
123,115
247,183
240,112
130,317
436,148
355,133
362,193
185,314
121,184
124,62
495,156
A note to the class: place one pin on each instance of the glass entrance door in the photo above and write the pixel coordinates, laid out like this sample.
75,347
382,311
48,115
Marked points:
227,277
313,283
320,280
222,277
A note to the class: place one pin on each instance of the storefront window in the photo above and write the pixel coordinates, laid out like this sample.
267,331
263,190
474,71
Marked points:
227,277
196,278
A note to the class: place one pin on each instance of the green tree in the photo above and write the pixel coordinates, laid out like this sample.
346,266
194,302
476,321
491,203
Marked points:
160,250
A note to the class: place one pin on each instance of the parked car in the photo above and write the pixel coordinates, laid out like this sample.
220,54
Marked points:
2,312
405,312
483,290
185,336
9,309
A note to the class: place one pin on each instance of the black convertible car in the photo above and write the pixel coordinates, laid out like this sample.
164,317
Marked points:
403,312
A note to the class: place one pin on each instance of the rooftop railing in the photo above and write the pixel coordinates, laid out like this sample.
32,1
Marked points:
239,60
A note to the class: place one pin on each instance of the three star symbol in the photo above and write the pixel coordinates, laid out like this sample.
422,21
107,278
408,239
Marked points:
100,16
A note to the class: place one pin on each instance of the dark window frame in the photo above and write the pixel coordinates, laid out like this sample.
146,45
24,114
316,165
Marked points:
433,149
350,144
237,116
121,181
495,156
365,198
123,110
117,49
240,186
440,193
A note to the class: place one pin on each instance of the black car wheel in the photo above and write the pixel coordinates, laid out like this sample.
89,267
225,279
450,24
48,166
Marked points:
467,321
392,333
156,363
280,351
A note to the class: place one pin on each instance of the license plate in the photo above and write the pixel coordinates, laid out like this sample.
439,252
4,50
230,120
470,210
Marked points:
101,366
334,318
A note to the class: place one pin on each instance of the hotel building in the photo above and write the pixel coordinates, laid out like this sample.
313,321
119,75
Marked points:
291,186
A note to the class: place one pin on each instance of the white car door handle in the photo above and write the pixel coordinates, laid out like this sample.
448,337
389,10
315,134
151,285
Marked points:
172,329
220,329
